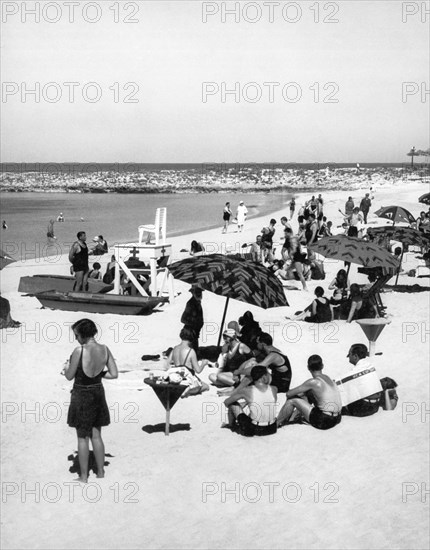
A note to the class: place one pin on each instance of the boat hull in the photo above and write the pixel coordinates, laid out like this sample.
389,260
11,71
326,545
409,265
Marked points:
62,283
99,303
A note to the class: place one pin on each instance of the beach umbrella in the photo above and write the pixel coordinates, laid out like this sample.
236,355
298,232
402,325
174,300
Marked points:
5,259
356,251
232,277
425,199
405,235
395,214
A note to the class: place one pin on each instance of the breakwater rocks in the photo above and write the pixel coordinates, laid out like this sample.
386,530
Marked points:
222,179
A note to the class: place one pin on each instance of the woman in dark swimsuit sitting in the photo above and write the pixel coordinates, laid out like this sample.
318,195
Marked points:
88,410
319,311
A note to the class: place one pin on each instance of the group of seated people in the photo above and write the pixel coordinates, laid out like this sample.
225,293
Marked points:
255,372
348,302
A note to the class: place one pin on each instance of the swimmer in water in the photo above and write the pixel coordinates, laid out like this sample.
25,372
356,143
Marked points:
82,219
60,218
4,224
50,232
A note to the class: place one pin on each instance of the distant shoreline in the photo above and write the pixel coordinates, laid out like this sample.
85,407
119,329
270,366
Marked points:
203,179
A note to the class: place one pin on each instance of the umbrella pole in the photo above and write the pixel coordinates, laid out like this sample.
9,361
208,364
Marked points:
347,275
223,320
400,267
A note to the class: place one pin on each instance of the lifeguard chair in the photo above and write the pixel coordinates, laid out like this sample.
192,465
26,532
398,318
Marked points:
158,228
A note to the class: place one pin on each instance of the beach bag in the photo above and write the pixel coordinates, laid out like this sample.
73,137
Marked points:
389,397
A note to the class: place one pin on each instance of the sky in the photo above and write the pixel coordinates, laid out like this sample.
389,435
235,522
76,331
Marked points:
190,81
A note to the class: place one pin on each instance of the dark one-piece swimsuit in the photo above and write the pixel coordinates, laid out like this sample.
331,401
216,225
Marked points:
281,379
88,408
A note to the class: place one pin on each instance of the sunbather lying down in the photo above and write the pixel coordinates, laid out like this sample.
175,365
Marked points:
6,320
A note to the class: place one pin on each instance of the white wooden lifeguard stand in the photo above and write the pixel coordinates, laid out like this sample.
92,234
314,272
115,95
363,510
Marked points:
147,252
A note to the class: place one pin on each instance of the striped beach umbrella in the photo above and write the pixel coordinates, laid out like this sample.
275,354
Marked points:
395,214
232,277
356,251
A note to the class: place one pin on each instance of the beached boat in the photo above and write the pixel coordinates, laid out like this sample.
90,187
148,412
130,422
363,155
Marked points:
99,303
62,283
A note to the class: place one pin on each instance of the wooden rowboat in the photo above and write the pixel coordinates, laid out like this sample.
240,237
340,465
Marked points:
99,303
63,283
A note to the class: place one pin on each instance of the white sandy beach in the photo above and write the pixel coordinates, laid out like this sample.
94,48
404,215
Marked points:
360,485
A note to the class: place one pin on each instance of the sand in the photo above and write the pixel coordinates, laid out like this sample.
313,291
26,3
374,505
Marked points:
360,485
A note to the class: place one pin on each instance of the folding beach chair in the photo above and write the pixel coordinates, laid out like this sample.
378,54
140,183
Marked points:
374,293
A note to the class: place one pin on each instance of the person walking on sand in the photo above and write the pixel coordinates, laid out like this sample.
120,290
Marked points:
241,214
88,410
349,207
292,207
365,205
4,224
227,213
325,413
78,257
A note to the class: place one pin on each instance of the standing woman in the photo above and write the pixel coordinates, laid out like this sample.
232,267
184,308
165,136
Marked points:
88,410
227,213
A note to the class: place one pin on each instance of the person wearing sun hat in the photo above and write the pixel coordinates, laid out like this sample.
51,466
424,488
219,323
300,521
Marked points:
233,354
192,316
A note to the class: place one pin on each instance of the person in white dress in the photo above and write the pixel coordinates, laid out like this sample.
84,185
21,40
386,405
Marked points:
241,213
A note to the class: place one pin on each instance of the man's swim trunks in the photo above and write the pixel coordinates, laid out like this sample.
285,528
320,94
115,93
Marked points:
323,421
249,429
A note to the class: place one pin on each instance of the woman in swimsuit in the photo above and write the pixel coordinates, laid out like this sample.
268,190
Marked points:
318,311
360,308
226,215
184,357
88,410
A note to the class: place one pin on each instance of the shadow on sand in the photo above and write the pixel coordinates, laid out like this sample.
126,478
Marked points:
159,428
92,466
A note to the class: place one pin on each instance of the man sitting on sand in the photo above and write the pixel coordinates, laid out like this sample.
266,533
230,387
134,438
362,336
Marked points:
325,413
261,400
357,356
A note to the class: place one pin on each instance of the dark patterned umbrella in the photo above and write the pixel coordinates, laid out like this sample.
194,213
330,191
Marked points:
406,235
356,251
395,214
425,199
233,277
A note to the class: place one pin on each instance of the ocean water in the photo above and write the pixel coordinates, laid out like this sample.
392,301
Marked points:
115,216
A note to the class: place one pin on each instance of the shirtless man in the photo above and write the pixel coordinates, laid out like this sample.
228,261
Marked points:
326,413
